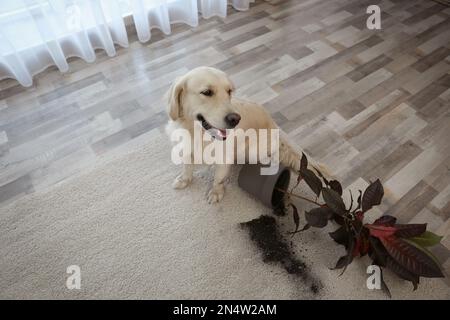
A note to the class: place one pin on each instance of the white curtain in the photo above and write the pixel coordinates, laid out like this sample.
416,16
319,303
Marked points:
35,34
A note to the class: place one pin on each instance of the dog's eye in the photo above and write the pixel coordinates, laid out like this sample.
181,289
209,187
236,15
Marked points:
207,93
230,92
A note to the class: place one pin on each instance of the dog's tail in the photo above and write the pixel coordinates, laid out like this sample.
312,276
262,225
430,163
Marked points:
290,156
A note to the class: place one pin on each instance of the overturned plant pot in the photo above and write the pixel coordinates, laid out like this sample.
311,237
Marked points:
265,187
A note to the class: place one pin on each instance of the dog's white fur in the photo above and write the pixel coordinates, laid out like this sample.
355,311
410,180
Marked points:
186,102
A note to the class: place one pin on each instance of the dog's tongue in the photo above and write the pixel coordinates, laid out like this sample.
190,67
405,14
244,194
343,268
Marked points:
222,133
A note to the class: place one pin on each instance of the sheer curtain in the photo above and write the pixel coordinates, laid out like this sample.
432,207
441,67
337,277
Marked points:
35,34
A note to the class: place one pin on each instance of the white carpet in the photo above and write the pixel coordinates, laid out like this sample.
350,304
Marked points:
135,237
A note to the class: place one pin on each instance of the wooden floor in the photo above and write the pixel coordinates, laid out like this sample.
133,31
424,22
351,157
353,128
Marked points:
366,103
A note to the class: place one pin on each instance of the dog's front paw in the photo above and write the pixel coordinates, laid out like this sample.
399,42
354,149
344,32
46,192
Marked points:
181,182
216,194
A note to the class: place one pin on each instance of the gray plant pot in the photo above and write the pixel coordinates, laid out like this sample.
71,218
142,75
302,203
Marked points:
263,186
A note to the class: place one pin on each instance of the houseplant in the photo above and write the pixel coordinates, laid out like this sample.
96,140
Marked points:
401,248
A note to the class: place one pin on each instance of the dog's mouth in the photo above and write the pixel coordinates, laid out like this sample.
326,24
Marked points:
216,133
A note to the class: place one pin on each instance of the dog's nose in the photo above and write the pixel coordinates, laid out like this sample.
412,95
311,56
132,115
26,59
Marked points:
232,119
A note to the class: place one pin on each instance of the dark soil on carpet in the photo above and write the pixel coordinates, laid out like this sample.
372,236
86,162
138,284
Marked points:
275,249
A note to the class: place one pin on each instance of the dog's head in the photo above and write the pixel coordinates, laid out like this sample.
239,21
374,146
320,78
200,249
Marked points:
204,94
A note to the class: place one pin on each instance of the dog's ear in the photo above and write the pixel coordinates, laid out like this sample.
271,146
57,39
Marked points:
232,86
174,99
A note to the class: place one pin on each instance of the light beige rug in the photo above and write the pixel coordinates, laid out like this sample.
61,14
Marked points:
134,237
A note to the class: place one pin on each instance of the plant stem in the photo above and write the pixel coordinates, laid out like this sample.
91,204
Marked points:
298,196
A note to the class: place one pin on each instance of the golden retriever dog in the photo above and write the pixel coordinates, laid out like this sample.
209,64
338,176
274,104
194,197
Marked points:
204,97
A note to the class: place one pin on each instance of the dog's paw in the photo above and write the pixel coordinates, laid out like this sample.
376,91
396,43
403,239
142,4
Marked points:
181,182
216,194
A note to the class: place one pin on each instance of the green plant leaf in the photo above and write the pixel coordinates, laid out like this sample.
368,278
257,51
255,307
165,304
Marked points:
426,239
311,180
372,195
333,201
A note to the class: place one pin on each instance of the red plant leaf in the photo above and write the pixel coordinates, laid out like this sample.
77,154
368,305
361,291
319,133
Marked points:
322,176
384,286
340,235
336,186
318,217
351,200
359,215
377,252
349,257
372,195
423,249
295,216
361,247
365,247
333,201
303,162
381,258
305,227
380,232
402,272
386,220
357,247
338,219
411,258
342,262
410,230
359,200
311,180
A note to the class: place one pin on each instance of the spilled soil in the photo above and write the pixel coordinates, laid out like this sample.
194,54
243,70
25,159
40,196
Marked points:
275,249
